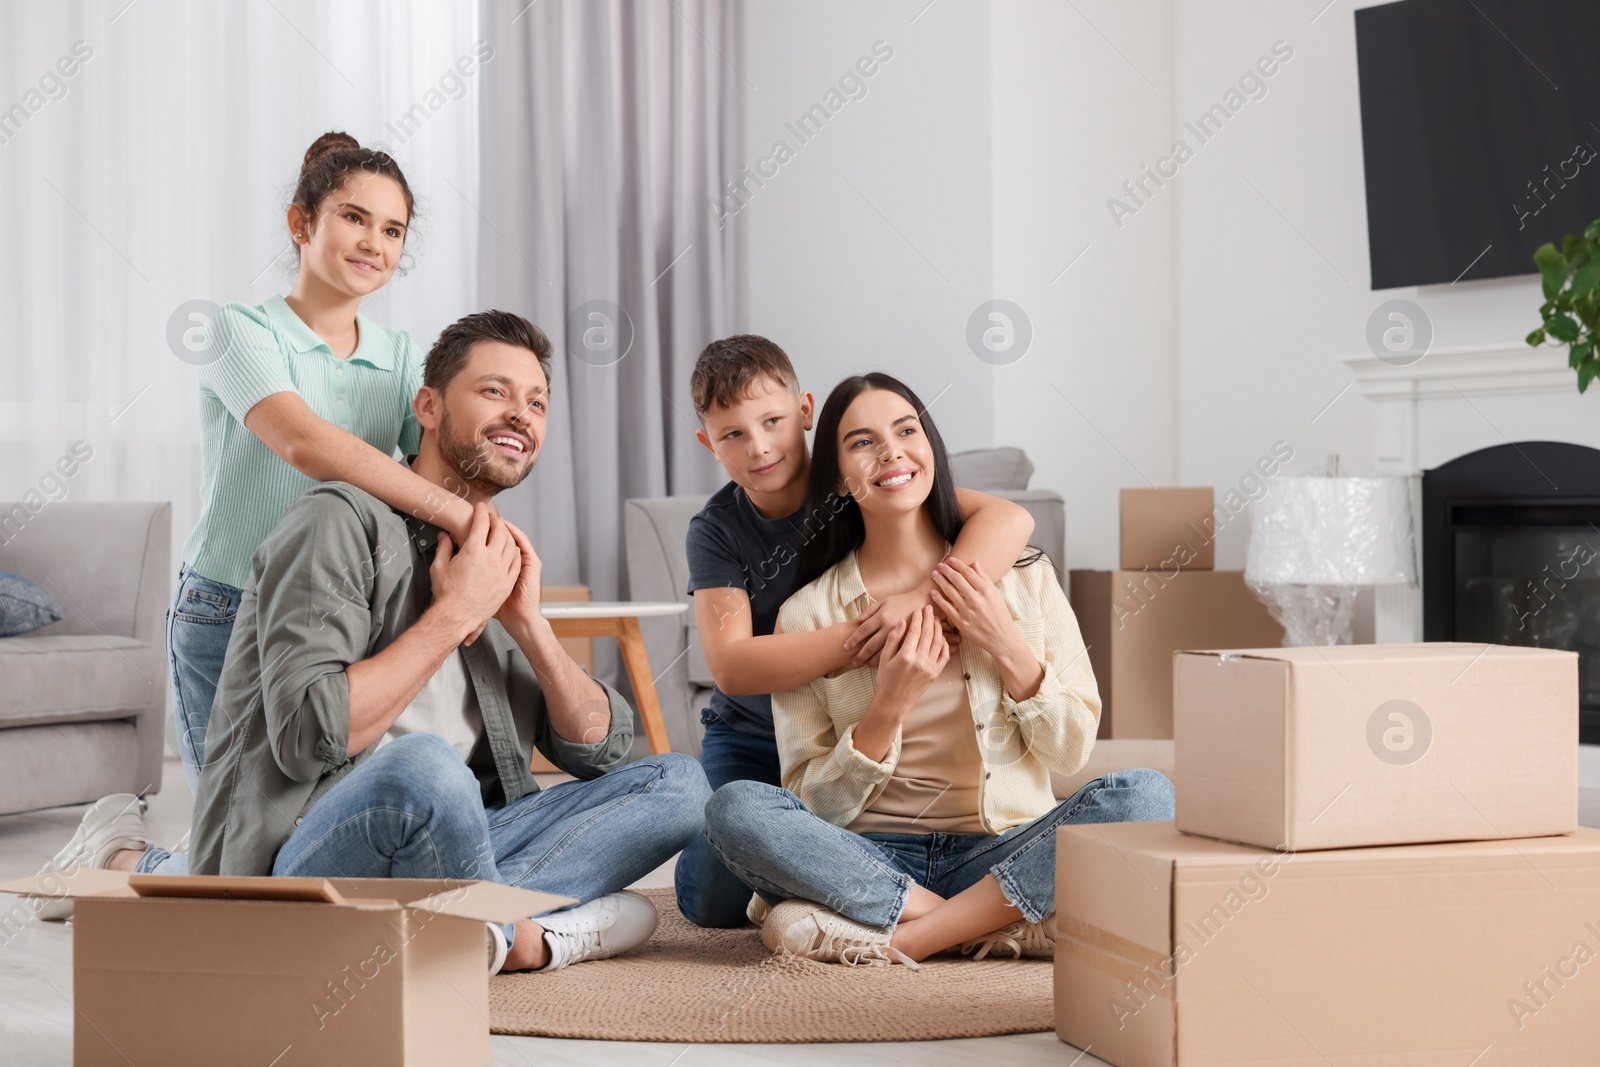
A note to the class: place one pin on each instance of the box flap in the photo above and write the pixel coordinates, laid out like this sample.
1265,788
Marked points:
76,883
235,887
491,902
1422,650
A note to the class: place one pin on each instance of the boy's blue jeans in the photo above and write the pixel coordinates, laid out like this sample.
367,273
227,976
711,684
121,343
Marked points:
709,894
413,809
770,839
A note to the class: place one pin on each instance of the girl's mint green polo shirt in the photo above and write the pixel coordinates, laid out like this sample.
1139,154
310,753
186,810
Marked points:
251,353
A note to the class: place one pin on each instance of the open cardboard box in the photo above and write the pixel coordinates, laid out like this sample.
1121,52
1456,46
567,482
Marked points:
1352,745
196,970
1179,951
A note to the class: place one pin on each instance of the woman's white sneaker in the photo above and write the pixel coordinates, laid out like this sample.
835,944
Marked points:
111,824
597,930
1020,940
805,928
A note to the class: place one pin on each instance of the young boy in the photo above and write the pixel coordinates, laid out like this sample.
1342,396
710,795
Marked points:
744,549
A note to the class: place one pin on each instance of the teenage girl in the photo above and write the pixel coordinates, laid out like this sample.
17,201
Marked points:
296,390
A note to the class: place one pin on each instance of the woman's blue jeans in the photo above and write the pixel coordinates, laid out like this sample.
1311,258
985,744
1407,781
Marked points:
768,837
708,893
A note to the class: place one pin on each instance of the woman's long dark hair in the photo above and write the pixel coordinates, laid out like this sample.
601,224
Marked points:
833,523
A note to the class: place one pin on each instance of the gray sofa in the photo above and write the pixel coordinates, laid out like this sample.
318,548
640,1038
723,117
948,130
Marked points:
85,699
658,569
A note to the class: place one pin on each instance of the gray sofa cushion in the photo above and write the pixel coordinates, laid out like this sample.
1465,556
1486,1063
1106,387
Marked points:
988,469
24,607
52,678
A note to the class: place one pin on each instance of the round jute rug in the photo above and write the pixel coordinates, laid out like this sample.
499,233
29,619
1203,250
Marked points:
692,985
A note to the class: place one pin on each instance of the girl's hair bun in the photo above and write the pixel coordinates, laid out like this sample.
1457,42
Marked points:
328,142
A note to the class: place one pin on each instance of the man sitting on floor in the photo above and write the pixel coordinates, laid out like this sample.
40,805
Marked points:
382,696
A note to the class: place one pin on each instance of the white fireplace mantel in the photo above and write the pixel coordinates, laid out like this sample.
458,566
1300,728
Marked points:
1510,369
1484,370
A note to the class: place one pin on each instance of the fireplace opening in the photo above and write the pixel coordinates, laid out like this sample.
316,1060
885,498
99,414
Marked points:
1511,555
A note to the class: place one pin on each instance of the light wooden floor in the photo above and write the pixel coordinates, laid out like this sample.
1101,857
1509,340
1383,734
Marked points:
36,984
36,981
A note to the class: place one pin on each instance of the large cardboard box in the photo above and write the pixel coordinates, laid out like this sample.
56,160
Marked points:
198,971
1179,950
1167,528
1133,621
1330,747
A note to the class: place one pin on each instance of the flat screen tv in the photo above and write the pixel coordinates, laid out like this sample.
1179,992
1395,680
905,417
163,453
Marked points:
1480,128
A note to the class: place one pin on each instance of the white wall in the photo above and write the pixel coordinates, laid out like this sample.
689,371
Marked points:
867,250
1082,99
986,148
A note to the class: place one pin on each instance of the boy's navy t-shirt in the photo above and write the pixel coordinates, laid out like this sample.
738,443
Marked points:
732,545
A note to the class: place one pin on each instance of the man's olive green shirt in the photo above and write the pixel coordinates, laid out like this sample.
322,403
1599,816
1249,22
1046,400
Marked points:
337,581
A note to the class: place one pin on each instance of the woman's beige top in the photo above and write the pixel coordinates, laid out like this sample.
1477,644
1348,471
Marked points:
935,784
1019,741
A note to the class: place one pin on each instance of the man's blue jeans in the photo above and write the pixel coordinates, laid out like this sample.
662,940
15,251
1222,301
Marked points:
709,894
771,840
413,809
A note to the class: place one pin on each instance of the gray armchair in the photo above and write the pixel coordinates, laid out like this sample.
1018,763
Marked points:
658,569
85,699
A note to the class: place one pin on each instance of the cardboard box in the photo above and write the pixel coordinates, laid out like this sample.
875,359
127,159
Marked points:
182,970
1133,621
1167,528
1354,745
581,649
1178,950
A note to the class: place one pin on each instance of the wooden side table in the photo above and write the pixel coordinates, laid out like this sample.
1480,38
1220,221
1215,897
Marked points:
619,619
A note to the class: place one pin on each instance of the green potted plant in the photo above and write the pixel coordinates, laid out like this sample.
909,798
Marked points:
1571,308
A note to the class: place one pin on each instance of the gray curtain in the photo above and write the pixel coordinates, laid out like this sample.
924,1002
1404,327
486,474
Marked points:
607,131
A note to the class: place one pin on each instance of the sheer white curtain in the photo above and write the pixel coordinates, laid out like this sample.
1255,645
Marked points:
607,136
158,173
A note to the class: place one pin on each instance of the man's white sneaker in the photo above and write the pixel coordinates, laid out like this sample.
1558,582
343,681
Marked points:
808,929
1020,939
111,824
597,930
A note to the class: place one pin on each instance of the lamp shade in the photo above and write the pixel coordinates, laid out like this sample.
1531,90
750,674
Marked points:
1332,531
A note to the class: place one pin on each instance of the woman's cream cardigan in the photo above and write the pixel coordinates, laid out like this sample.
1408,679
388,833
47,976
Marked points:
1021,742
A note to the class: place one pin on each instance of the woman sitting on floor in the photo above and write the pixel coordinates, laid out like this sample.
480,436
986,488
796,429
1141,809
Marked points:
918,814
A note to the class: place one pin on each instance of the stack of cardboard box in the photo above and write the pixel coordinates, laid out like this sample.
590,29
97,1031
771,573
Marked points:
1376,860
1166,596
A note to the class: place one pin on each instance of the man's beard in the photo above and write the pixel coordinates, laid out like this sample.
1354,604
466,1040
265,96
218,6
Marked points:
464,455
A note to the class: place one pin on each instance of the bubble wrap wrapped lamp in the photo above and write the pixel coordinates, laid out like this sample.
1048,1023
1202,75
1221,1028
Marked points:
1314,540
